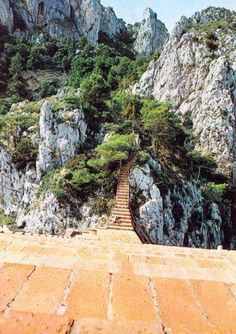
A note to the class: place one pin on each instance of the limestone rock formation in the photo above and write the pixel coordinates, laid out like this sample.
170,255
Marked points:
46,216
197,73
61,18
179,217
151,34
61,136
16,187
6,15
92,19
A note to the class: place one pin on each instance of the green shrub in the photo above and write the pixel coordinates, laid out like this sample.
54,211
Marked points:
16,65
213,26
72,101
47,182
82,176
95,89
143,157
6,219
160,122
47,89
100,205
25,152
60,193
126,105
16,86
123,127
204,159
3,109
117,148
214,192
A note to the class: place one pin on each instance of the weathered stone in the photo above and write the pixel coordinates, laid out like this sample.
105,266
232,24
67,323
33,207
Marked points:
200,83
6,15
177,218
151,34
16,187
62,134
61,19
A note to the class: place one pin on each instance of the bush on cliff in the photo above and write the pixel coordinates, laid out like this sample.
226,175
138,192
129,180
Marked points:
116,148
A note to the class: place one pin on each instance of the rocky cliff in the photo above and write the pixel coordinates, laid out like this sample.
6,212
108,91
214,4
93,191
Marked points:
151,34
6,14
178,214
61,18
59,137
197,73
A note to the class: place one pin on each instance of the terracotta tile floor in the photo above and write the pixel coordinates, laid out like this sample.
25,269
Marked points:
110,283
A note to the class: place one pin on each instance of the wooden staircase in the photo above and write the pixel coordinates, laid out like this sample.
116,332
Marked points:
121,217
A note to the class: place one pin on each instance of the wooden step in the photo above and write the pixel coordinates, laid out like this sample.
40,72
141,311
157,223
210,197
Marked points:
126,219
121,212
112,227
121,220
121,223
121,216
121,209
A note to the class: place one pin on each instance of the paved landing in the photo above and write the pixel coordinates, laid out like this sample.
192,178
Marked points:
110,283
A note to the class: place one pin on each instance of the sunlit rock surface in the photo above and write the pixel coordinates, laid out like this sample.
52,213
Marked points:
200,83
151,35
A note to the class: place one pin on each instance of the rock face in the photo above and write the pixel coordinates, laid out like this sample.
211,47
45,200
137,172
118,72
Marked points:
6,15
151,34
179,217
46,216
92,19
197,73
16,187
61,18
61,136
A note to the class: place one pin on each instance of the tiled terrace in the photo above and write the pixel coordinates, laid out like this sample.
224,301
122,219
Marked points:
111,283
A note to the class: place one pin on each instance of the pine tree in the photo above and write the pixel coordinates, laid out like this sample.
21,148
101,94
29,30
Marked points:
16,65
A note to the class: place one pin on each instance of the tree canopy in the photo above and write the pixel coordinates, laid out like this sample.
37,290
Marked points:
116,148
